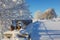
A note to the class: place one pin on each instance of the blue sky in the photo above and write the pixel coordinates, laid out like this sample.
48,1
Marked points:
42,5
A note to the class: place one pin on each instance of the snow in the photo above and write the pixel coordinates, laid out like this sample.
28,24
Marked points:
13,35
51,24
14,0
38,30
13,10
44,30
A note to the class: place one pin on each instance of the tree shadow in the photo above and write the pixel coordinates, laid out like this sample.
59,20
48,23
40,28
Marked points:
33,30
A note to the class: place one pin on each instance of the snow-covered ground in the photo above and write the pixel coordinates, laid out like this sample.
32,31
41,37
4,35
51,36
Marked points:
44,30
52,27
49,29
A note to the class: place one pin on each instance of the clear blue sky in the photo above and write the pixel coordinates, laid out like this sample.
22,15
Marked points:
42,5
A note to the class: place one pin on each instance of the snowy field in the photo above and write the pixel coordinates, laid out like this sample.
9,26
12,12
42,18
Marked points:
44,30
49,29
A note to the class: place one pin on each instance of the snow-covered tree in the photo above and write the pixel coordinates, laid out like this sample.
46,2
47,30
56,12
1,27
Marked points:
50,14
13,9
38,14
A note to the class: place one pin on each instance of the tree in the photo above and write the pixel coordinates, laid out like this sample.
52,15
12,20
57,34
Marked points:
50,13
13,9
37,15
